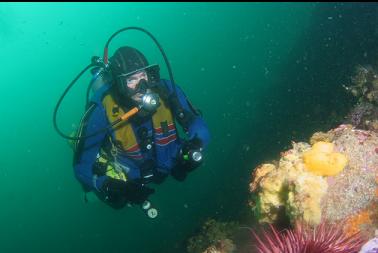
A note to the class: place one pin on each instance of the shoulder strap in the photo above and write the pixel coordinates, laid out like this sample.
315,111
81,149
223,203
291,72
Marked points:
184,117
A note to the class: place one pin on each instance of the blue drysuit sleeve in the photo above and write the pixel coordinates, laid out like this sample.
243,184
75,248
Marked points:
198,127
89,148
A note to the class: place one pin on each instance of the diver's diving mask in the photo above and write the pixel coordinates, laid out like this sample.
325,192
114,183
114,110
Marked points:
137,83
132,84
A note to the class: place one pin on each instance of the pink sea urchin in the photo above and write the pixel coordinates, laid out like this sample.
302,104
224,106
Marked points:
325,238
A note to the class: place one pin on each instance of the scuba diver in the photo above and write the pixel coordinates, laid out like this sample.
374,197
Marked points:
128,136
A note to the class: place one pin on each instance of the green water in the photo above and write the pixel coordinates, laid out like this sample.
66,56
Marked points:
263,74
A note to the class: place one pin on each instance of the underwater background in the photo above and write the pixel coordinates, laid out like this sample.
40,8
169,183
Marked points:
262,74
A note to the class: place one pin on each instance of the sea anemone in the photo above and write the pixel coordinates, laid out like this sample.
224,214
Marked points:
324,238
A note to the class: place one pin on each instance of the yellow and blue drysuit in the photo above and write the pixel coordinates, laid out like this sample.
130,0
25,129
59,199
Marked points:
137,146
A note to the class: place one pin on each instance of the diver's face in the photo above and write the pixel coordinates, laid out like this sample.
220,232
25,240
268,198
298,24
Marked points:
133,80
132,83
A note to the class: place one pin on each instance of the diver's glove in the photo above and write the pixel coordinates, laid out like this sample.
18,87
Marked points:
131,191
189,158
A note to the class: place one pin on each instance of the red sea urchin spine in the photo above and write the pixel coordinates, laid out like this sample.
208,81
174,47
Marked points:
325,238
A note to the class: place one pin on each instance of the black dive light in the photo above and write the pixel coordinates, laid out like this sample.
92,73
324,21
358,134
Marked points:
194,156
191,151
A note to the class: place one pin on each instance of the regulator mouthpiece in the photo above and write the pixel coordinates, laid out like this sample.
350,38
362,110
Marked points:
150,101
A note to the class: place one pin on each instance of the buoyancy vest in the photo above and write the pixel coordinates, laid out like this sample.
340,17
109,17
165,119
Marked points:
164,134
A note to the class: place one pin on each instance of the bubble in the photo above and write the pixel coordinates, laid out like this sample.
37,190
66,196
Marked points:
246,147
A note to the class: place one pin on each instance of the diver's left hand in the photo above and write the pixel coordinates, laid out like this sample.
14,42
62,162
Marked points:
185,155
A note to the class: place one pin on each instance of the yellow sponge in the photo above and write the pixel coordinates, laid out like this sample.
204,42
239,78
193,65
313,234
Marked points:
322,161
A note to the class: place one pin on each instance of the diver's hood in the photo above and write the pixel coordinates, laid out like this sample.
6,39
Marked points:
127,61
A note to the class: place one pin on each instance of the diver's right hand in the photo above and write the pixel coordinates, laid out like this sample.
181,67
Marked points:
133,192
